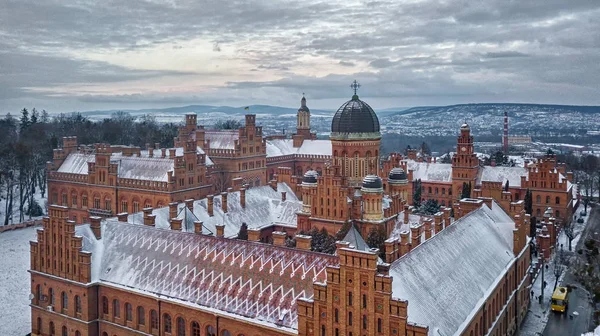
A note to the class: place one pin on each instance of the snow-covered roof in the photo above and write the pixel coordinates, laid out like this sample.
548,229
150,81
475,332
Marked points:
502,174
455,268
279,147
355,239
263,208
76,163
253,280
144,168
140,167
224,139
440,172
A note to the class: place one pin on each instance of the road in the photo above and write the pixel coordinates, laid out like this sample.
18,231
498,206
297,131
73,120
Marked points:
578,318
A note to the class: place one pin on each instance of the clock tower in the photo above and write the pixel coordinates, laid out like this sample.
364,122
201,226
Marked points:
465,164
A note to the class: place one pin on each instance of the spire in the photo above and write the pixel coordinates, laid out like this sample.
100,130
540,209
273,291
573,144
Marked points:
355,86
303,101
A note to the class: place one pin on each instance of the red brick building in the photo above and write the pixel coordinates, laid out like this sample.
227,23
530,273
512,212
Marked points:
104,180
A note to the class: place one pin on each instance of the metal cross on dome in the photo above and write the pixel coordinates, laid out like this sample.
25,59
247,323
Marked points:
355,85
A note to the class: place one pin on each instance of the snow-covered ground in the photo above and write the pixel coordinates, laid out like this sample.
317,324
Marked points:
15,216
15,316
596,332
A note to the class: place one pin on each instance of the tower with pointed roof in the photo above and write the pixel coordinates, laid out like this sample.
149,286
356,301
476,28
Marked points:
302,125
465,164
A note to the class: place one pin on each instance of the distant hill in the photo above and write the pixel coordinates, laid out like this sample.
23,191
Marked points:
206,109
484,108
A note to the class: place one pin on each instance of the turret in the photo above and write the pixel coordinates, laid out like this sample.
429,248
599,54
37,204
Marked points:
372,193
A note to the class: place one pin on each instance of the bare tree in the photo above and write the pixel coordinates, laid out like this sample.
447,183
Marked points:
570,233
559,266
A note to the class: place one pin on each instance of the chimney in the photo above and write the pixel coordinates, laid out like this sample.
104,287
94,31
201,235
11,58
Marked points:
171,153
198,227
273,184
176,224
279,238
230,190
209,200
428,224
254,235
283,196
156,145
150,150
163,152
415,235
122,217
220,230
243,197
95,226
437,220
224,201
404,243
406,207
189,203
172,210
149,220
303,242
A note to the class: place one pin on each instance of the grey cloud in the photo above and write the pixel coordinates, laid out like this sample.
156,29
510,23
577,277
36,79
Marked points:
476,50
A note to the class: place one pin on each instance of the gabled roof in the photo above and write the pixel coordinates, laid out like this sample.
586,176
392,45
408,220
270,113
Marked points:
263,208
502,174
223,139
279,147
131,167
445,278
355,239
440,172
254,280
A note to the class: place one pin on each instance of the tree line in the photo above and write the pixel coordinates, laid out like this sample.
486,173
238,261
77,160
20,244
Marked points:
27,143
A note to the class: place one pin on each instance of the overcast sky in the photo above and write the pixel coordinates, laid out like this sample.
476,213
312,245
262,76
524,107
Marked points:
85,55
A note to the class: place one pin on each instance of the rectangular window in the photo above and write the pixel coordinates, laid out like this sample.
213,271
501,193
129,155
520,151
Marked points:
84,201
74,200
123,206
96,203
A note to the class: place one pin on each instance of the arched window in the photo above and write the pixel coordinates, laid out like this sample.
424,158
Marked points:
168,327
349,318
364,301
65,301
323,331
557,200
365,322
180,326
153,319
443,191
104,305
141,318
38,292
116,308
39,325
538,212
210,331
195,328
104,334
52,331
429,190
128,312
350,298
51,296
557,214
538,199
225,333
379,325
77,304
77,333
65,331
547,199
336,315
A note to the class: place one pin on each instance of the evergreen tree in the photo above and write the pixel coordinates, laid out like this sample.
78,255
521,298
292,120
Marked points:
376,238
417,193
430,207
243,233
45,118
34,117
24,119
425,148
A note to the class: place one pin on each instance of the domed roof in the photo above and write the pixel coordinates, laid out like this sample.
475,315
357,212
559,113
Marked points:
372,182
397,175
355,116
310,177
465,127
303,106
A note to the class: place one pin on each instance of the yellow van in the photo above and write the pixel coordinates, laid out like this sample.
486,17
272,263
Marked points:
560,300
